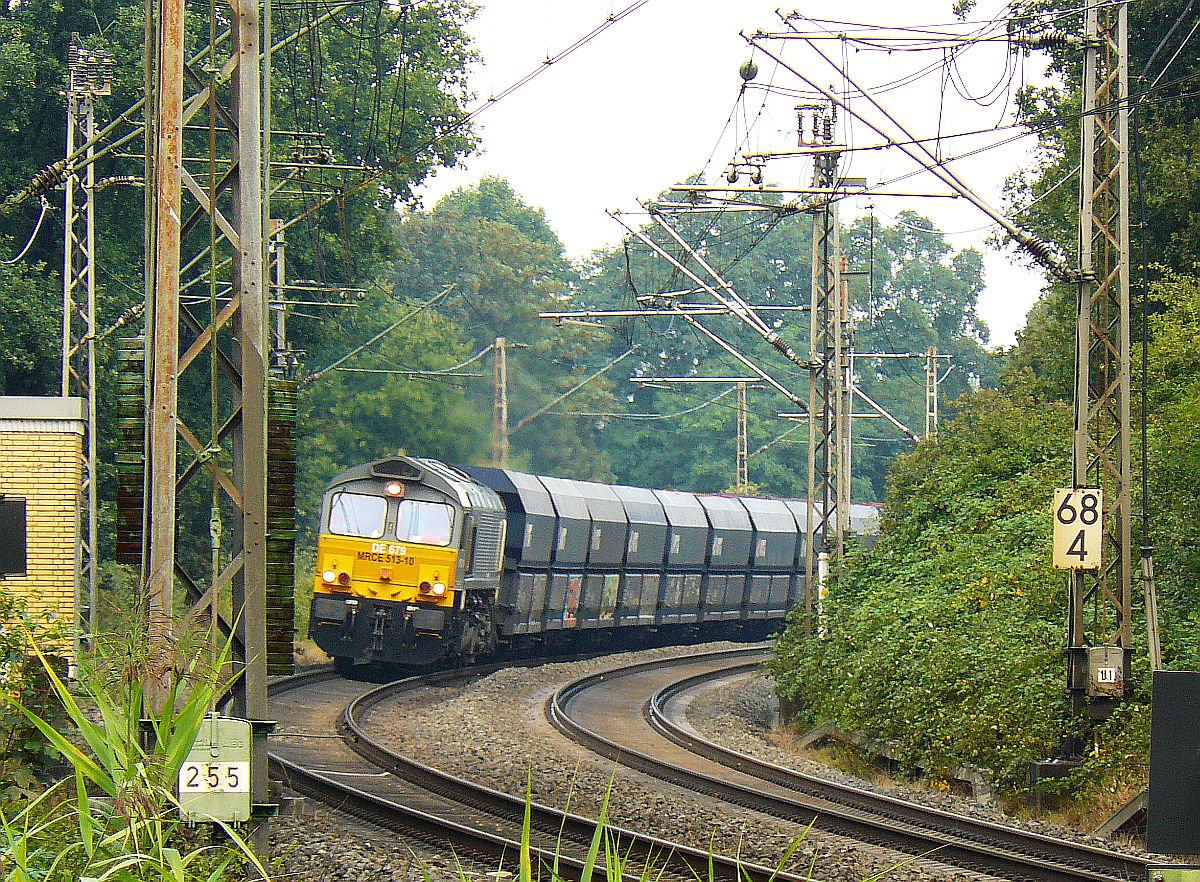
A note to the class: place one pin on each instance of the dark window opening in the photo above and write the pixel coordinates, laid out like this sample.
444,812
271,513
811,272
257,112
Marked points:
13,561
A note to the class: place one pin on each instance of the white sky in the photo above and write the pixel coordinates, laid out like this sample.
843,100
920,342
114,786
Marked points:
646,103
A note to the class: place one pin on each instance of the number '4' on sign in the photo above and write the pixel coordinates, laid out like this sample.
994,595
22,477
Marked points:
1078,528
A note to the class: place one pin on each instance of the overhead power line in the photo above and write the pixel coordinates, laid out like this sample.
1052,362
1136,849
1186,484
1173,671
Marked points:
923,156
548,407
652,417
316,375
37,226
470,117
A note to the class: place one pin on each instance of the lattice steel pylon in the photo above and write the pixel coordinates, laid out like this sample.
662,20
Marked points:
932,382
828,511
89,75
208,445
500,444
1100,602
743,439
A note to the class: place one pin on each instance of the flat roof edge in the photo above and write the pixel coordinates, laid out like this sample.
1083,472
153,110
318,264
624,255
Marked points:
37,407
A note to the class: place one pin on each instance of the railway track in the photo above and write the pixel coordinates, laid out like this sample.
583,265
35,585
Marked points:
351,772
610,714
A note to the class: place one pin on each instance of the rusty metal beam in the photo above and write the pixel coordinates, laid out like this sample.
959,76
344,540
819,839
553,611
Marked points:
163,315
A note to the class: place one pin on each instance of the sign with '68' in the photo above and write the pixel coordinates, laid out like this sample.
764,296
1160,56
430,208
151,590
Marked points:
1078,528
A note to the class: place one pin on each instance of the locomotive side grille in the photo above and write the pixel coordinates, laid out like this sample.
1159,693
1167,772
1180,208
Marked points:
489,535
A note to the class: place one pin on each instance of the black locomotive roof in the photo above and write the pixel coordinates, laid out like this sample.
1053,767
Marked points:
380,469
476,495
404,468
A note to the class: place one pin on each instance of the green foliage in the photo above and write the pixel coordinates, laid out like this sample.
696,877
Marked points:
1174,449
605,857
130,831
921,294
384,85
1165,201
1041,364
948,633
31,328
506,265
25,757
350,418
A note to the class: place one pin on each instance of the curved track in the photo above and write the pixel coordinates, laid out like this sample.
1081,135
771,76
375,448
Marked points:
354,774
610,713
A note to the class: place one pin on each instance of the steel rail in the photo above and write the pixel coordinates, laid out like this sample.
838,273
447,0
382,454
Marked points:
1115,865
430,827
859,821
671,861
676,859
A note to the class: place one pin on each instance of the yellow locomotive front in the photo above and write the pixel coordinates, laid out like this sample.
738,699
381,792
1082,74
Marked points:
387,567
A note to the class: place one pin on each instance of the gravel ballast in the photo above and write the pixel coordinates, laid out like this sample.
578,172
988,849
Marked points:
494,731
327,846
744,719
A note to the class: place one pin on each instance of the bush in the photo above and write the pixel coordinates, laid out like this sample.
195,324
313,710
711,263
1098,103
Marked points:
25,756
948,635
116,818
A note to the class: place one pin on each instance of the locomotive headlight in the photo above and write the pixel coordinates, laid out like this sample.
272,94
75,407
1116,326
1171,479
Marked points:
394,488
329,577
439,589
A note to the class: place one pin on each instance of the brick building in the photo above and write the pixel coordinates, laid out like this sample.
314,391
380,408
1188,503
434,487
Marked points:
41,465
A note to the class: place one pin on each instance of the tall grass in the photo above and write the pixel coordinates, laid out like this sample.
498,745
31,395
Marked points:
116,818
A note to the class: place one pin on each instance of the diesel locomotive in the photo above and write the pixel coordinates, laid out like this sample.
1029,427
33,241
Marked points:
421,562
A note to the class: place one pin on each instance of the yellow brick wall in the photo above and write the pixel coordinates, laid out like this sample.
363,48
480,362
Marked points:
45,468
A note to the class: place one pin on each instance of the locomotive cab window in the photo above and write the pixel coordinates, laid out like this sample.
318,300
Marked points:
357,514
426,523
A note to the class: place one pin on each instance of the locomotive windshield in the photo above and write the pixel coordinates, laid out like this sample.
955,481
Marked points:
428,523
356,514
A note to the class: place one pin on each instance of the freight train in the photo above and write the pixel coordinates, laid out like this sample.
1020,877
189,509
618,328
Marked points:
420,562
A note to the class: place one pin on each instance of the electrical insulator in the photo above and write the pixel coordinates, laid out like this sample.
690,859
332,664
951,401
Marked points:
1049,40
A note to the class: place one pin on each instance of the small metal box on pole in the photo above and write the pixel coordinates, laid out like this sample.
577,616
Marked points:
214,780
1106,671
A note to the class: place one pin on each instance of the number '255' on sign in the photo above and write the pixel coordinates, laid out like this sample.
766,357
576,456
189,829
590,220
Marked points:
1078,528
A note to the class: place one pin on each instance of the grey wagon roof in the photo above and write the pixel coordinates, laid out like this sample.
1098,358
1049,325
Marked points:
682,509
